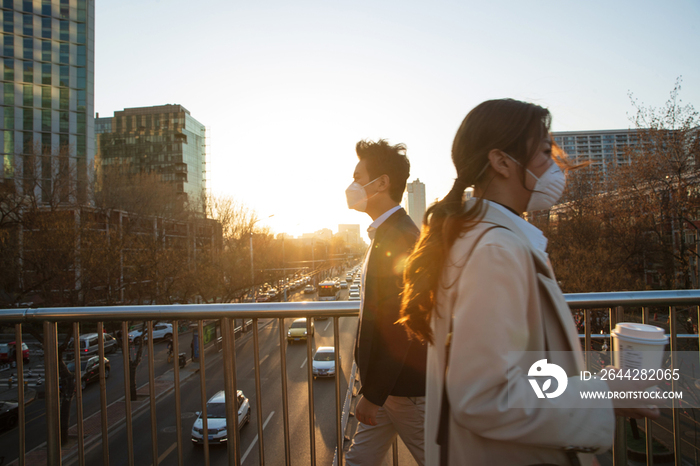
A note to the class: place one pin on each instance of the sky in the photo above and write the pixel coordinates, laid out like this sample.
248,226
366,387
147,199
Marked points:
286,89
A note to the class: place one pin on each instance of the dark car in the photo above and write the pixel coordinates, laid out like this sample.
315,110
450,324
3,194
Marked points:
90,369
8,414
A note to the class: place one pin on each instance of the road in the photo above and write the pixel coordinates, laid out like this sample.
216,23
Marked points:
297,385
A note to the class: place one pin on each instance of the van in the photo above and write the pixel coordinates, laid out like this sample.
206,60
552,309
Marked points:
89,345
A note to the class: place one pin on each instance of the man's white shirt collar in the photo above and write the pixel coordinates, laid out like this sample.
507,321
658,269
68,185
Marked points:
383,217
531,232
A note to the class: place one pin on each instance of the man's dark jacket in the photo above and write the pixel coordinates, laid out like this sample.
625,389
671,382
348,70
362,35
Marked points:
390,362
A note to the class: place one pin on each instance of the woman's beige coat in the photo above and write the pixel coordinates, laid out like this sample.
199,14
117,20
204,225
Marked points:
508,312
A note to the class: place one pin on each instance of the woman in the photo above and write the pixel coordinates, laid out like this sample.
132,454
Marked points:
482,270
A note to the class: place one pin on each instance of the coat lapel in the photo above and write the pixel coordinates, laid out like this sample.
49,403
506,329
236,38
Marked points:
557,320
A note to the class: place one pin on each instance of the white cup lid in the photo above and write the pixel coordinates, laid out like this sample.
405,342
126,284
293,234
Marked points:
641,331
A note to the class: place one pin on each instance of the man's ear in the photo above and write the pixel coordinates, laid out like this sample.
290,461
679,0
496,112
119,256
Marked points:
500,162
383,183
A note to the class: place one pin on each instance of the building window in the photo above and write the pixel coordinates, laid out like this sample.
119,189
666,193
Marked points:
28,75
46,143
81,33
82,124
9,118
8,43
8,21
46,28
64,99
28,6
29,48
9,94
28,93
46,73
28,25
64,122
82,78
9,143
46,50
28,119
63,142
64,75
9,71
64,31
46,7
64,54
82,100
46,97
82,55
46,120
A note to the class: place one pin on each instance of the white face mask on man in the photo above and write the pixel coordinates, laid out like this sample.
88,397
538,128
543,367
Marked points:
357,196
548,188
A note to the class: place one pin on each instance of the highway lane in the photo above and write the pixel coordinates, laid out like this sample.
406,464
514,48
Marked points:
35,425
324,404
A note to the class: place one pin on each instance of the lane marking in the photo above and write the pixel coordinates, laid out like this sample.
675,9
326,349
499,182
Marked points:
304,363
264,359
245,455
167,452
328,325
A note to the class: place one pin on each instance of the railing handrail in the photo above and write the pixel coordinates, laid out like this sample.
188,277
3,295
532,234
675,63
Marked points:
310,308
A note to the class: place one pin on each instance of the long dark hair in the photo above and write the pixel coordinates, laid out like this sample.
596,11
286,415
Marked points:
509,125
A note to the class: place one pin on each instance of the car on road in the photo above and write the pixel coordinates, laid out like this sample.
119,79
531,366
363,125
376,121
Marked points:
9,414
8,353
354,288
308,289
343,285
297,331
160,330
89,347
354,296
216,419
323,364
90,370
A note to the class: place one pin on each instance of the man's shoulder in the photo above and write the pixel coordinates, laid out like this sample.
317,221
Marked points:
401,224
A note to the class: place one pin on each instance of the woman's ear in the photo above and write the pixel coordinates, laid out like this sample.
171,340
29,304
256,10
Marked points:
500,162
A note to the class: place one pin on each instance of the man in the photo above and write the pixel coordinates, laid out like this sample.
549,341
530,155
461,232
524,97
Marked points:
391,365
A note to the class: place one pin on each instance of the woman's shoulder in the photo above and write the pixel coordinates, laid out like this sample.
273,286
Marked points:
490,235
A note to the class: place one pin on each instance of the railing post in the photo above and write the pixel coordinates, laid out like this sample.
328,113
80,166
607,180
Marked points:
53,408
20,392
258,392
152,393
587,338
309,369
620,442
127,392
648,438
285,401
77,373
176,382
231,392
203,393
675,411
103,394
340,435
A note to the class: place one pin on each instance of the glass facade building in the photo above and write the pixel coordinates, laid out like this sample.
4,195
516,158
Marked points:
604,149
163,139
48,89
415,201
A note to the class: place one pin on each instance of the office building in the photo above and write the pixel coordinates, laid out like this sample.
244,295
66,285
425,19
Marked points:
604,149
415,201
48,88
163,139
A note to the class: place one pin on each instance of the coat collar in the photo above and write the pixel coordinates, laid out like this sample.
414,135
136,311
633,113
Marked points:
389,224
496,217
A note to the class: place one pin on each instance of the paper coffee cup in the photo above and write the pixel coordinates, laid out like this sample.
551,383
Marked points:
638,346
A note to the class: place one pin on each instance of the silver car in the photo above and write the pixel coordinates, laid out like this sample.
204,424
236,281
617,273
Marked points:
216,419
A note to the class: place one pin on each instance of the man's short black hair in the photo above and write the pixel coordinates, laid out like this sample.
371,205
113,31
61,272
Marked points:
384,159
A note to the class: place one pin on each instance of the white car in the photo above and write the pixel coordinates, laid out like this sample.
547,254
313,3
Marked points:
309,289
355,289
216,419
324,362
354,296
160,330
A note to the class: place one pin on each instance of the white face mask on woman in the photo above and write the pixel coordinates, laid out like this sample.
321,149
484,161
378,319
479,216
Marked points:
548,188
357,196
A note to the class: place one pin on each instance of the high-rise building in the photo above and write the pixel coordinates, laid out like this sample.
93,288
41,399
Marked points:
163,139
48,88
415,201
604,149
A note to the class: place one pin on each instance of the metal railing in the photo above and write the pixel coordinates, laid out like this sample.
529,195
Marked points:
612,303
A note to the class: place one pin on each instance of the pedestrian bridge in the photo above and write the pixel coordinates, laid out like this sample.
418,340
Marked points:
294,418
